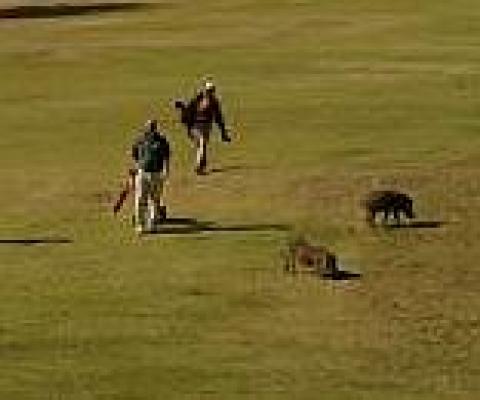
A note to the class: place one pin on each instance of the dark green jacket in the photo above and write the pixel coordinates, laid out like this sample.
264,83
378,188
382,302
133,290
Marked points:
151,151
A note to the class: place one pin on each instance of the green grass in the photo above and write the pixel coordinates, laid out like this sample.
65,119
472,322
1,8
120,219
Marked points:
327,99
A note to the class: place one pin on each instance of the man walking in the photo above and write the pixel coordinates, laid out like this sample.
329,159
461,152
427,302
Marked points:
198,116
151,154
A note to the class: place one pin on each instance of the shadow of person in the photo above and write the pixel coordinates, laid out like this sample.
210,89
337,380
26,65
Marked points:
234,167
179,221
64,10
179,225
34,241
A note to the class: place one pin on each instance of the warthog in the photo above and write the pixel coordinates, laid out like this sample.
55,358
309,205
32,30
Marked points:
389,202
317,259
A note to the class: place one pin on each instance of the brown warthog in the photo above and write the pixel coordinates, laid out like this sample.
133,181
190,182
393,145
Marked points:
301,255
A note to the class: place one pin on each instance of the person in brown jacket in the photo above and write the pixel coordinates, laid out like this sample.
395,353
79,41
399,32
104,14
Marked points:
198,116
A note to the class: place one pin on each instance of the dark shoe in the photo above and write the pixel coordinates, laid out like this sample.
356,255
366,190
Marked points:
200,171
162,214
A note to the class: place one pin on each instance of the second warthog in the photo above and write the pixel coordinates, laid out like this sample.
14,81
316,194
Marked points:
303,256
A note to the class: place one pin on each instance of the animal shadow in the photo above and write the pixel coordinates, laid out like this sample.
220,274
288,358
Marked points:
63,10
420,224
342,275
339,275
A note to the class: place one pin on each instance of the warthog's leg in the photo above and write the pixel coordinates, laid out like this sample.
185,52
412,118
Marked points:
396,215
289,257
331,265
370,217
386,213
284,256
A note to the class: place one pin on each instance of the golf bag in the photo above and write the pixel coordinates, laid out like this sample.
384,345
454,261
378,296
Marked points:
128,187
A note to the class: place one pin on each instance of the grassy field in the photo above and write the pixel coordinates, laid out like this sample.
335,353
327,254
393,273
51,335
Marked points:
327,99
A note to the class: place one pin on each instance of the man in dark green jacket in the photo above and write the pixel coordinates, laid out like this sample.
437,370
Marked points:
151,154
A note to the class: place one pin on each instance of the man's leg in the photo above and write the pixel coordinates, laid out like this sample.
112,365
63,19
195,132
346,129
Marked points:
158,211
140,201
202,154
201,136
199,152
148,225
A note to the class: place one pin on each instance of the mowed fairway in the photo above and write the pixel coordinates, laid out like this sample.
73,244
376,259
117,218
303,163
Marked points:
327,99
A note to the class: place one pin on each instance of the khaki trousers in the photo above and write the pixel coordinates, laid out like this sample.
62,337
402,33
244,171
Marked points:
149,199
201,136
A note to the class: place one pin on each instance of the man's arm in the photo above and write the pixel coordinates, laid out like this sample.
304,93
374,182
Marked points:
183,108
219,120
190,114
135,152
166,159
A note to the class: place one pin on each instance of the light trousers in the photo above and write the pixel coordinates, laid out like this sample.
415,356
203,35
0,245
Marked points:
149,199
201,136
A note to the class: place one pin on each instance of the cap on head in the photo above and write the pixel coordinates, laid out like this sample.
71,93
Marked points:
208,84
151,125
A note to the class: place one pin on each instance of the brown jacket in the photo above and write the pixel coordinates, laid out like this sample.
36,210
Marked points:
204,109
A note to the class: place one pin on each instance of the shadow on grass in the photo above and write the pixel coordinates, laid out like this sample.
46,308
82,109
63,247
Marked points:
64,10
193,226
342,275
236,167
418,225
33,241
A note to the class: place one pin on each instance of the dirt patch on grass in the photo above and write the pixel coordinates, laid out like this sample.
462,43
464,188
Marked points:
63,10
103,197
